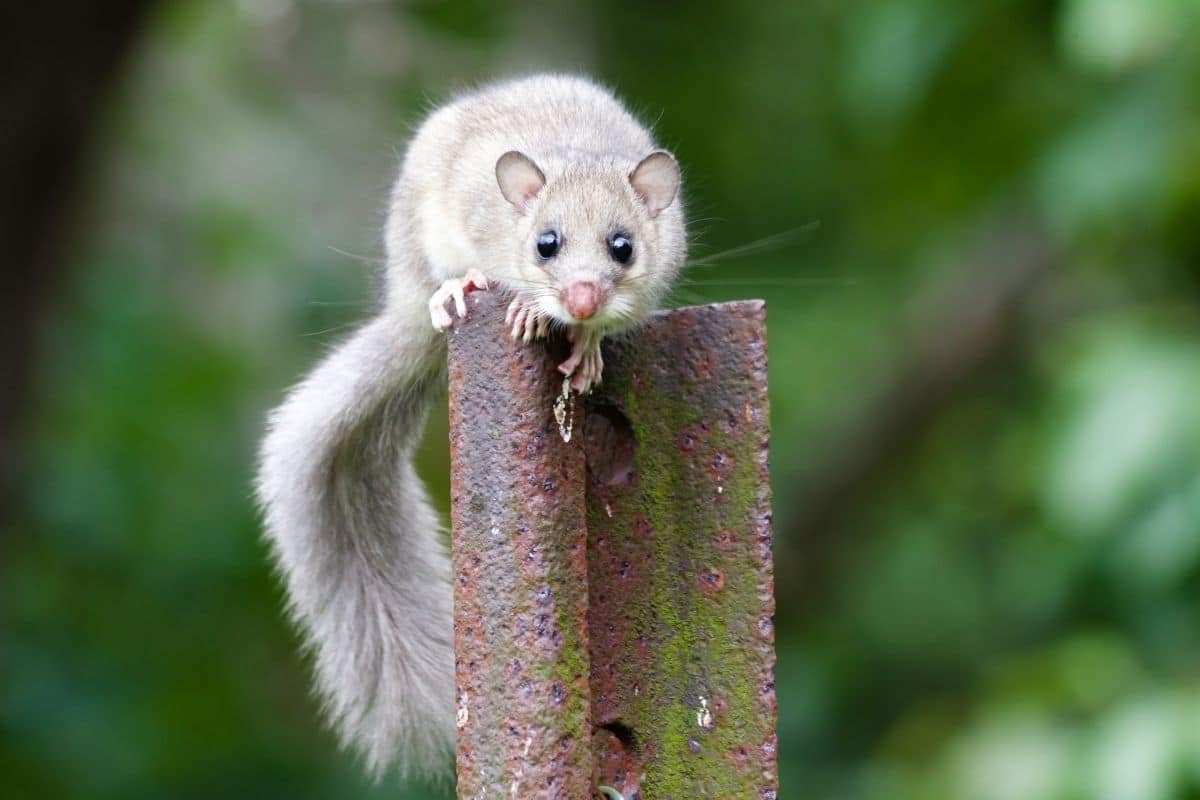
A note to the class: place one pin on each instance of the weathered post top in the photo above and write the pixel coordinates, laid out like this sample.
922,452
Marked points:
613,594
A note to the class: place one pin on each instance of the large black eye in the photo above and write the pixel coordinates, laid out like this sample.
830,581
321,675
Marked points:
620,248
547,244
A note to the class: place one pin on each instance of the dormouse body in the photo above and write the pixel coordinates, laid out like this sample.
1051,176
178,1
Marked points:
545,187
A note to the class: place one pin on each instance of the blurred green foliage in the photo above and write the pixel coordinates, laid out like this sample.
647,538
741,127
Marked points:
1011,611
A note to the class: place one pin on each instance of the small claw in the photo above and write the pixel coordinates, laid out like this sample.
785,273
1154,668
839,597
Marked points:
588,375
474,279
457,290
437,311
568,366
518,323
441,319
585,364
525,322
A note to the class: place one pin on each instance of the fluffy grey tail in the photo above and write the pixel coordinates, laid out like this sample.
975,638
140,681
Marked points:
357,543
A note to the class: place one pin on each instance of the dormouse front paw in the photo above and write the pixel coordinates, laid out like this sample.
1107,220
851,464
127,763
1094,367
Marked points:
458,289
527,323
585,364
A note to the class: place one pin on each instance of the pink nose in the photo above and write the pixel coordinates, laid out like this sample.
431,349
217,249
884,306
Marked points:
581,299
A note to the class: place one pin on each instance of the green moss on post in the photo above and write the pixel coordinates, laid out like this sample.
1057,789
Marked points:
680,582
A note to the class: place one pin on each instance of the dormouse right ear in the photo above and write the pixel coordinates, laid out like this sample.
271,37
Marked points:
656,181
519,178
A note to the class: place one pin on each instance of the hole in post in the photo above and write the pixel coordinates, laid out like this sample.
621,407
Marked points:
609,445
623,733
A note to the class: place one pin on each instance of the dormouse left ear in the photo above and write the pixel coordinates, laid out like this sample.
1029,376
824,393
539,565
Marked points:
656,181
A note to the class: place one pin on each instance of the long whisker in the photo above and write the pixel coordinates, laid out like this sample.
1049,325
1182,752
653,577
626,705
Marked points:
766,243
682,295
770,282
334,329
375,260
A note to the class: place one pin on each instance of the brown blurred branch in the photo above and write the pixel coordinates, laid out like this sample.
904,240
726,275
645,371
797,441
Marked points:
58,59
967,328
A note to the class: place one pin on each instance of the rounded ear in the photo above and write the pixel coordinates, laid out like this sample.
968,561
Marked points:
656,181
519,178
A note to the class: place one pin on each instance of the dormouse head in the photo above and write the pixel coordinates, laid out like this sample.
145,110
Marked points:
601,241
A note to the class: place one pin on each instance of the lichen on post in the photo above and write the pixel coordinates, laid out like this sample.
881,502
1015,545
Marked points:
680,570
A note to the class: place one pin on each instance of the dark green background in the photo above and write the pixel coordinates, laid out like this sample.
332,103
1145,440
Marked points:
988,546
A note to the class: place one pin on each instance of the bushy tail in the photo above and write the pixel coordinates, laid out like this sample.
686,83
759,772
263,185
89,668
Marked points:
357,543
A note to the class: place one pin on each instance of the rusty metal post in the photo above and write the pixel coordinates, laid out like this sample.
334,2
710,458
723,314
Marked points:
661,549
518,555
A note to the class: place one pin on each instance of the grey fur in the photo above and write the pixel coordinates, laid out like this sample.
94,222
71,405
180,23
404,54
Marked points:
350,525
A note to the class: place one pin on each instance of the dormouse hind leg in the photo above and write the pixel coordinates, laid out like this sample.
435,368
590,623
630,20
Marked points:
456,288
584,365
527,324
